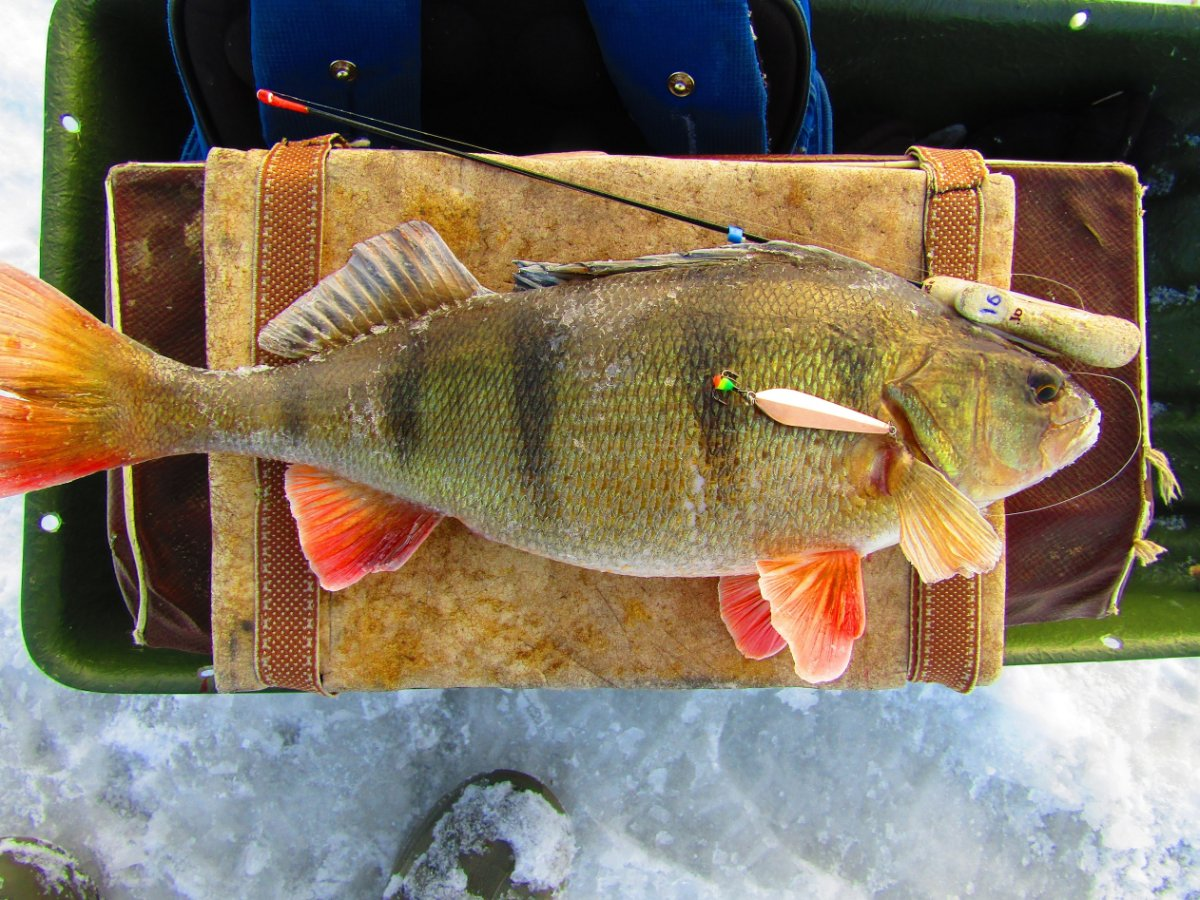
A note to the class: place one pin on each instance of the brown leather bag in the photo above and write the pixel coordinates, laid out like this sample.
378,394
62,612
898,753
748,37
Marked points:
1077,232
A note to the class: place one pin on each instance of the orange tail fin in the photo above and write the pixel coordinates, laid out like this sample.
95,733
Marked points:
67,386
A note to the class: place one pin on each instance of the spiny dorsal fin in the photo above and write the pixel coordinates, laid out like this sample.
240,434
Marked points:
532,275
393,277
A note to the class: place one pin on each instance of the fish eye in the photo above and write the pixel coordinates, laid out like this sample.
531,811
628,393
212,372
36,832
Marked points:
1045,386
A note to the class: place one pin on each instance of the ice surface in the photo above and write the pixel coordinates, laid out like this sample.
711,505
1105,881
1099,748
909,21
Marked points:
1063,781
1058,781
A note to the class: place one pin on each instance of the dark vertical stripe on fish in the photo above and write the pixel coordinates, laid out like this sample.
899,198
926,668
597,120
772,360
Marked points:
293,415
537,347
402,400
709,347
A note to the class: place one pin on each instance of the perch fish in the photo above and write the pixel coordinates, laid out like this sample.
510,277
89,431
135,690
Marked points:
578,420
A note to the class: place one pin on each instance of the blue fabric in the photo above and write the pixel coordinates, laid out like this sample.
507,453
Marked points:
645,42
294,41
816,133
195,148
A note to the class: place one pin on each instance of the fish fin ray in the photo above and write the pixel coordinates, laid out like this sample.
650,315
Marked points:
65,383
817,606
348,530
393,277
531,275
941,531
748,617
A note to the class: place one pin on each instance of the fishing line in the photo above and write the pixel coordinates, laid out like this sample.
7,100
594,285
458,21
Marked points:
385,124
397,133
427,140
652,203
647,202
1133,454
1049,295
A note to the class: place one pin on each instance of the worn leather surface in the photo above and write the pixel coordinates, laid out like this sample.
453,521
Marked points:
162,552
1076,567
1079,243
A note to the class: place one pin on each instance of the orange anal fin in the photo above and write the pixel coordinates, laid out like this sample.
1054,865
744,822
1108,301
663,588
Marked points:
348,530
748,617
816,601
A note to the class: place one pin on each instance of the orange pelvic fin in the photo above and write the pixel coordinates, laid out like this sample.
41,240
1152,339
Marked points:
65,378
816,601
348,530
748,617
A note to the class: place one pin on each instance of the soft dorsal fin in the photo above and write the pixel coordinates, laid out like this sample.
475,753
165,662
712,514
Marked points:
531,275
393,277
348,530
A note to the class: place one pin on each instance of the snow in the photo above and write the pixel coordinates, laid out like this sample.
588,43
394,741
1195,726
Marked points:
539,835
1060,781
48,867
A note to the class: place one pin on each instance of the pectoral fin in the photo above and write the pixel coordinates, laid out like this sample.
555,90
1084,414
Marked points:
941,531
816,601
348,530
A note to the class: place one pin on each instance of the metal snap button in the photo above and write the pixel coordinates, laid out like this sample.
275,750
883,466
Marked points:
343,70
680,83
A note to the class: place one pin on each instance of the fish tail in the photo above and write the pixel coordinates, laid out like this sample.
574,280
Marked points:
73,391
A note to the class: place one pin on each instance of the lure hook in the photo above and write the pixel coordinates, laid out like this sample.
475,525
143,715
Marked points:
725,383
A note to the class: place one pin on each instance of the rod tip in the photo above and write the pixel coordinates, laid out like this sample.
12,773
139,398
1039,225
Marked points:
270,98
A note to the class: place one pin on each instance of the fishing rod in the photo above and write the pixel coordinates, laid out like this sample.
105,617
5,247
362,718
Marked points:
423,140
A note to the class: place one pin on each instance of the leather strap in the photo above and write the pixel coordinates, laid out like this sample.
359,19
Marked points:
946,618
953,210
287,263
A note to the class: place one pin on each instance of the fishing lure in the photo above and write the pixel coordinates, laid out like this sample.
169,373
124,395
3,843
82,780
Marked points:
798,409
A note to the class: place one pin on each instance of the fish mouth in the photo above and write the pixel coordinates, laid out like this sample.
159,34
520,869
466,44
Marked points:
1065,442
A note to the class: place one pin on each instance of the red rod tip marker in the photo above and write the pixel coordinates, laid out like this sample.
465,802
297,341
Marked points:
270,98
